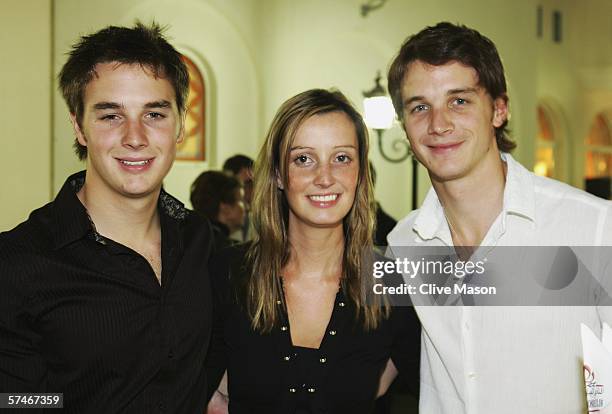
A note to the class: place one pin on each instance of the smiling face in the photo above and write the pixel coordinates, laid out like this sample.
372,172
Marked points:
450,120
130,126
323,170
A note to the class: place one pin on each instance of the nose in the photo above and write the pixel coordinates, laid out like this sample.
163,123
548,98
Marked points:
324,176
440,122
135,136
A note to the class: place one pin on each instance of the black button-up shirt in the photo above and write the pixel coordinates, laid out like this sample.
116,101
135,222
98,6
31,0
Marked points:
85,316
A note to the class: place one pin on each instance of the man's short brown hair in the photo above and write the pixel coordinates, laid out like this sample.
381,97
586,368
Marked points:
140,45
444,43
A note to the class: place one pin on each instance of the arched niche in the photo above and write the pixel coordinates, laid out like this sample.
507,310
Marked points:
551,143
598,162
193,147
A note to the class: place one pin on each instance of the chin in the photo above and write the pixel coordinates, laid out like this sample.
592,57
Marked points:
447,174
326,222
137,191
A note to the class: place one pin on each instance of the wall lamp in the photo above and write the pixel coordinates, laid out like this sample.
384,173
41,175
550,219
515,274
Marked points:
370,6
379,115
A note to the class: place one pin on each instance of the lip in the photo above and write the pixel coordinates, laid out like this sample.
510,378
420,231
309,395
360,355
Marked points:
133,164
445,148
320,203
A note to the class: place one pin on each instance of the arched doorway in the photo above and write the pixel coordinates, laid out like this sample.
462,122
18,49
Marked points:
598,163
551,158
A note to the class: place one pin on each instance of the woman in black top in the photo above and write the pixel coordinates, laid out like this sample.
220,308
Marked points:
293,328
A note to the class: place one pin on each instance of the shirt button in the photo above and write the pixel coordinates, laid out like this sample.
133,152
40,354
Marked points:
341,304
278,302
170,354
472,375
287,358
323,360
161,406
283,328
291,389
332,333
311,390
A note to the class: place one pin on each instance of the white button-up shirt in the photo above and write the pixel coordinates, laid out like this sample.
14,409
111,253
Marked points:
503,359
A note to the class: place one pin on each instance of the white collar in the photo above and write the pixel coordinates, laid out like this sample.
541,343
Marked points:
519,199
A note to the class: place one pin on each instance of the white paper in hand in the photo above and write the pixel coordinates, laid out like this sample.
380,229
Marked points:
598,369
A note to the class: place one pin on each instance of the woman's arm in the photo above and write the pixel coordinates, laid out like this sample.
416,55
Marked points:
219,403
386,378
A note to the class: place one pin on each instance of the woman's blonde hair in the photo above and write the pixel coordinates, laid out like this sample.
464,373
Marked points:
270,250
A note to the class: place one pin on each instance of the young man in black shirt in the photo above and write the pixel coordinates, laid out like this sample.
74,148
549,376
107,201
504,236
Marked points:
104,292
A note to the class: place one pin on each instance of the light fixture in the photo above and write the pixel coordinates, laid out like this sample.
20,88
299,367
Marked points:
370,6
379,115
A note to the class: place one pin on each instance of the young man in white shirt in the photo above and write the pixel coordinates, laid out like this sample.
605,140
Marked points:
448,88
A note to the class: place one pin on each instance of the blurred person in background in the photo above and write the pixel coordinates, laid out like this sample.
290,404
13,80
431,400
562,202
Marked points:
219,198
241,167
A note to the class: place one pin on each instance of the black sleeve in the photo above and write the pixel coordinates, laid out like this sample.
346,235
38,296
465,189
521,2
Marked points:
406,350
221,266
22,368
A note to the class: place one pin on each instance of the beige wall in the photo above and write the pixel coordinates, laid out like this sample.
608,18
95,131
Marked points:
214,34
25,105
574,77
344,50
256,53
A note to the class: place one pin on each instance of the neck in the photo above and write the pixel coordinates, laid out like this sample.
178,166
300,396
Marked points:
316,253
469,210
121,219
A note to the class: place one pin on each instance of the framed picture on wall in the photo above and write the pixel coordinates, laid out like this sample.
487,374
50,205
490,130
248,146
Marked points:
193,147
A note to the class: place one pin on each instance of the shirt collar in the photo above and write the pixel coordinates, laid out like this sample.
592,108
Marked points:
519,199
519,194
72,222
430,221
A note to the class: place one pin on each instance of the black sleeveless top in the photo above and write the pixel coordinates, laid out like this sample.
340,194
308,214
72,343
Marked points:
267,374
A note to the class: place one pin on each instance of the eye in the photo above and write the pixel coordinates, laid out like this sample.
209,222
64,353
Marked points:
109,117
302,159
343,158
419,108
460,101
155,115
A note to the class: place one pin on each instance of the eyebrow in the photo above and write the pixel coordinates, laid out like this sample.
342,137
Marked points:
311,148
114,105
448,93
462,90
106,105
158,104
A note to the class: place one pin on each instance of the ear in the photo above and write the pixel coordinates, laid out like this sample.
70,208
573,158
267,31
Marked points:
279,182
78,133
500,111
181,133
